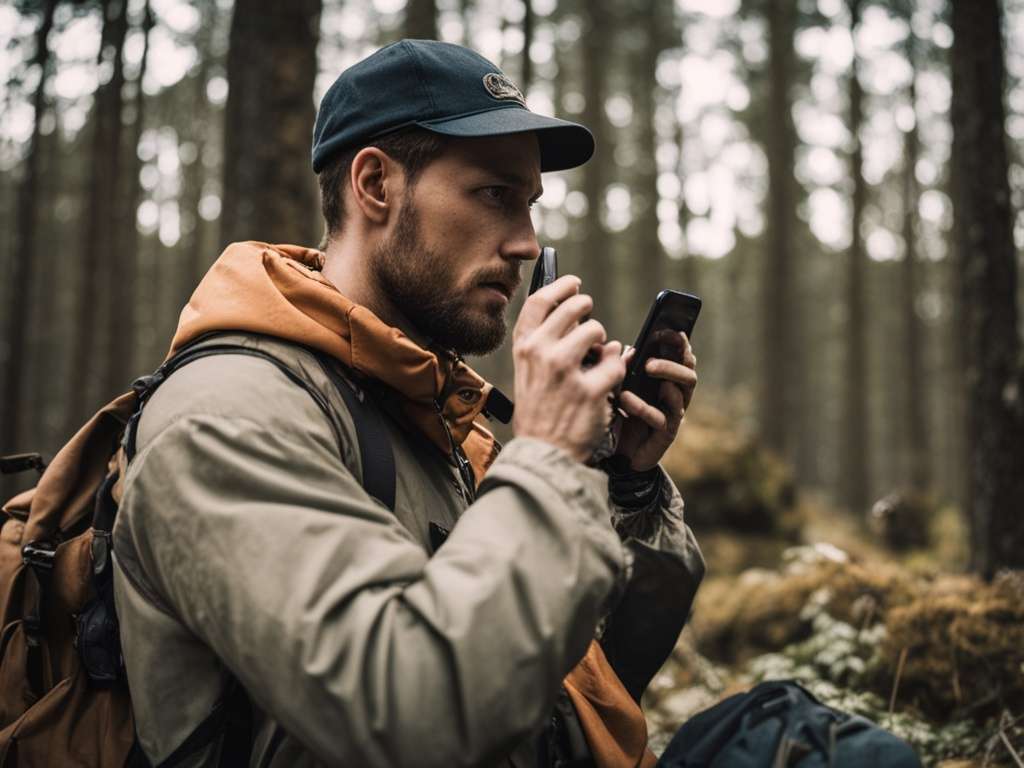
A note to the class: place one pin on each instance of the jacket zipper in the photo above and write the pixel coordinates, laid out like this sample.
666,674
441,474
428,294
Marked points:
467,486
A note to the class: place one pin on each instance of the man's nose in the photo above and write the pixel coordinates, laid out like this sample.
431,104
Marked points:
522,244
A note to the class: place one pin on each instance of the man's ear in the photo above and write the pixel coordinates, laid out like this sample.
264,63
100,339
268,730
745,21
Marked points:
375,182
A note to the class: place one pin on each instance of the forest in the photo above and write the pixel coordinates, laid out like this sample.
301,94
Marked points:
840,181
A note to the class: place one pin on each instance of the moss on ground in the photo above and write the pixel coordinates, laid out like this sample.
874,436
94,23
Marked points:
937,659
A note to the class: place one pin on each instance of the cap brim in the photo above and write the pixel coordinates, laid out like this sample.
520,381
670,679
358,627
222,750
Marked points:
563,144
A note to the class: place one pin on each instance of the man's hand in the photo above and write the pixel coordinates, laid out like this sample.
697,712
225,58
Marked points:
649,430
557,400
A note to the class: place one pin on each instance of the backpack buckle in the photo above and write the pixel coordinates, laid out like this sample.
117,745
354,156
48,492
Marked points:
143,385
39,555
21,462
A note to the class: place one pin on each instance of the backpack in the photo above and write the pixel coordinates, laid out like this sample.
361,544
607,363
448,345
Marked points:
778,724
64,698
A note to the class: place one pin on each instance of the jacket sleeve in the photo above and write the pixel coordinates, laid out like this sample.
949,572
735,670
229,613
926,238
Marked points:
666,567
263,544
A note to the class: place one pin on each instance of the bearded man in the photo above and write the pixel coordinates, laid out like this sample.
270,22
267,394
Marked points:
283,605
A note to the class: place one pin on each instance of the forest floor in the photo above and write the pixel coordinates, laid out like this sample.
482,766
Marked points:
906,639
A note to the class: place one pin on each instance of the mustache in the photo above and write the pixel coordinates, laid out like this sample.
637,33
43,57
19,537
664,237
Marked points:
508,276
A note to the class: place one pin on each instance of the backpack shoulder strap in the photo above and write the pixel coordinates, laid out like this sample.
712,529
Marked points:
375,451
376,454
145,386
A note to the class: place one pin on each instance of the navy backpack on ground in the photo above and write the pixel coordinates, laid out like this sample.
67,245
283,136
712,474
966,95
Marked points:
778,724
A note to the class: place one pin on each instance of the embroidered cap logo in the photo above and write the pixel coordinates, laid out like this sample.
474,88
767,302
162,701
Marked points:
500,87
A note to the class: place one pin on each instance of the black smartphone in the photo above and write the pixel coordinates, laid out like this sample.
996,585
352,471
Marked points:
671,311
545,271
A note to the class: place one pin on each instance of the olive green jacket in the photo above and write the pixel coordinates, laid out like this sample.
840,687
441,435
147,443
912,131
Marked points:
246,546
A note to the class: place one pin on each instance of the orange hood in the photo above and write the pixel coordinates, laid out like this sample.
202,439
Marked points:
278,290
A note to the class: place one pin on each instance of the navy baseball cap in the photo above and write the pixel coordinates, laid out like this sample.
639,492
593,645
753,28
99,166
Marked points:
443,88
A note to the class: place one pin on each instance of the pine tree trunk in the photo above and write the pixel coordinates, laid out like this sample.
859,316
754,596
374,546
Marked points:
421,19
646,264
854,464
596,253
24,256
192,243
990,345
777,326
99,242
915,404
121,317
526,71
269,189
465,6
684,274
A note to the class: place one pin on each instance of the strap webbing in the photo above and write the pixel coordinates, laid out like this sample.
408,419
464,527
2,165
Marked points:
146,385
376,454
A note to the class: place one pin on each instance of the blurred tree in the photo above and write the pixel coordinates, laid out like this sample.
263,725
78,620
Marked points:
197,134
777,347
598,22
987,262
914,395
465,8
99,241
526,70
854,445
684,271
421,19
653,26
269,192
121,263
24,255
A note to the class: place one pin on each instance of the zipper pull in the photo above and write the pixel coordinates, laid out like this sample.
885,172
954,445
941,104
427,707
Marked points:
468,484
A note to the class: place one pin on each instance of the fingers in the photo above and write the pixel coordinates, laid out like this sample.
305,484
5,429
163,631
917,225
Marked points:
669,371
689,359
675,345
681,374
575,344
567,314
673,404
638,408
610,369
665,417
541,304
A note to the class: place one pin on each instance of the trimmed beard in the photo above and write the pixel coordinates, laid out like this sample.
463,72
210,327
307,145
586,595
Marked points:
417,281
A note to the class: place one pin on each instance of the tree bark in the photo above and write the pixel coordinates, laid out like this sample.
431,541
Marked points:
686,267
777,326
647,262
465,6
595,245
24,256
526,71
121,317
193,176
269,190
854,463
991,344
421,19
915,407
99,241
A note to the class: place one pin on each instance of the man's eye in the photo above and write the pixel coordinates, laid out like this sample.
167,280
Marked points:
495,194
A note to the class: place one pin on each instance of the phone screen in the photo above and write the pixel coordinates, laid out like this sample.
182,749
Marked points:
671,312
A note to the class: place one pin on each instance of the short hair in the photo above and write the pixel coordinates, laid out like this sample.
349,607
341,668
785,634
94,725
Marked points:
414,149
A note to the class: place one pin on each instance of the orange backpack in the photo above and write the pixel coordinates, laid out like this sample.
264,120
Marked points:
64,699
52,564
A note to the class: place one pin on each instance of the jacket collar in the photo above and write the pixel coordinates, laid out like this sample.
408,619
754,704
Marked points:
278,290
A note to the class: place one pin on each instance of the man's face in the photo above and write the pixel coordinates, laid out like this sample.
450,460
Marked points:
451,264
